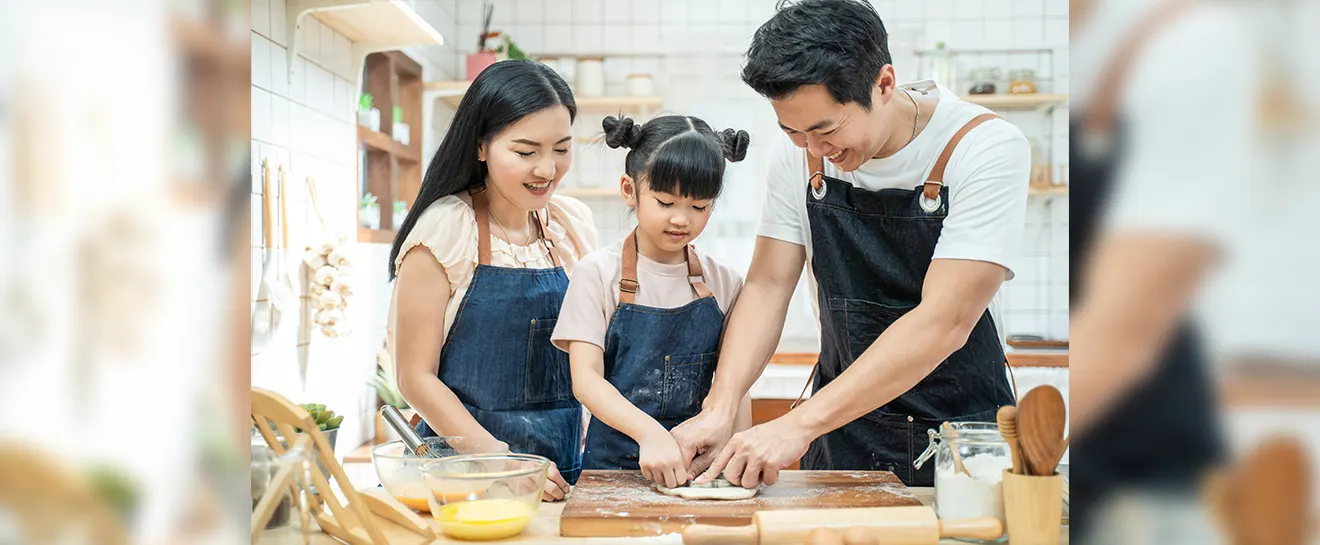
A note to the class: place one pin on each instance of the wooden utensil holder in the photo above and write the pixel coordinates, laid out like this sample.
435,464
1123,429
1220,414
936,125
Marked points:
1033,508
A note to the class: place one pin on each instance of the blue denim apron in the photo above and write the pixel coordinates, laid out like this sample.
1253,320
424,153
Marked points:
661,360
871,250
499,361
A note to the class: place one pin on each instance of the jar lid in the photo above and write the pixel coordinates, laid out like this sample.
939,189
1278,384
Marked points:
638,75
1028,72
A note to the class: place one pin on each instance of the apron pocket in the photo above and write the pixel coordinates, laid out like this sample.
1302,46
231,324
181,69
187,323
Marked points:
687,381
862,323
548,376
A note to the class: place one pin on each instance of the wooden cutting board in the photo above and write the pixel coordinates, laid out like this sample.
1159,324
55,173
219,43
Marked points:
625,504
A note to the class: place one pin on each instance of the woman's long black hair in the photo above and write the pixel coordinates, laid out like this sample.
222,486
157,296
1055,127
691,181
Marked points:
503,94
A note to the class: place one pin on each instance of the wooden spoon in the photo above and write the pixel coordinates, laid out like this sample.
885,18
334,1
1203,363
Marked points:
1041,419
958,466
1008,421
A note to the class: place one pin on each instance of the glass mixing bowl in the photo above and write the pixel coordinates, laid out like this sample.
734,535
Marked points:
486,496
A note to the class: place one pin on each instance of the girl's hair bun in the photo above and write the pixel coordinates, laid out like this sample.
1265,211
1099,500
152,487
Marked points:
735,144
621,133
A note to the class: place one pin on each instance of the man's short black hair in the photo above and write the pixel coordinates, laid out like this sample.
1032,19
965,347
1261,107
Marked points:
841,44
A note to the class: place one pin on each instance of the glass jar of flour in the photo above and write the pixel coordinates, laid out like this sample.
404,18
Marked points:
971,488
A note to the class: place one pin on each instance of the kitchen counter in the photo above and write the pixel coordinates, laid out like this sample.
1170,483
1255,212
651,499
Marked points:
544,530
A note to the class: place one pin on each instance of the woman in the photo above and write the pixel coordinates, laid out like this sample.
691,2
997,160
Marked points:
482,263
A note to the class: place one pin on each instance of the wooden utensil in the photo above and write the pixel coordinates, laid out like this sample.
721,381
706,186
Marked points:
284,293
1008,421
265,315
1042,416
1033,508
1267,498
958,466
623,503
910,525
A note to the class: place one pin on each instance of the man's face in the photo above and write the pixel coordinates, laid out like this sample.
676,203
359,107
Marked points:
847,135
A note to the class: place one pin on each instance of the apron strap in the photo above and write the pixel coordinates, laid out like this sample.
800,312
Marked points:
815,170
628,279
931,188
1099,117
482,209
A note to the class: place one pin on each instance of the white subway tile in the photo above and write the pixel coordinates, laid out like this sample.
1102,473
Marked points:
320,89
674,11
968,9
588,11
255,167
260,61
1028,9
261,111
558,38
326,53
1028,33
998,9
505,13
469,11
257,220
588,38
938,9
1056,33
1061,64
279,70
298,87
465,38
343,59
279,121
344,100
937,31
907,11
1058,325
886,10
618,12
279,22
646,38
559,11
261,17
729,11
967,35
760,11
1056,8
998,34
531,12
310,34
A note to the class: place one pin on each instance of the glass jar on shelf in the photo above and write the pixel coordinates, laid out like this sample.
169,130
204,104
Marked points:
1022,82
984,81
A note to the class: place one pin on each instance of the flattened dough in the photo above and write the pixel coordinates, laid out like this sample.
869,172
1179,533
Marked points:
718,489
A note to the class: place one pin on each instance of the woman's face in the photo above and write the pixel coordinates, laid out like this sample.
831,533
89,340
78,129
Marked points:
526,160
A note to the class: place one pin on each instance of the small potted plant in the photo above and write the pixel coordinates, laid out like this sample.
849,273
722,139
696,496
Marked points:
389,395
368,116
400,213
369,212
401,131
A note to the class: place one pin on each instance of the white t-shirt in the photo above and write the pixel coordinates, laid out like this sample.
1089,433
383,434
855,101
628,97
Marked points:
593,293
987,178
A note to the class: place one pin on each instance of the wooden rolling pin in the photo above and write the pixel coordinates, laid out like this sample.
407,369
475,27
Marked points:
910,525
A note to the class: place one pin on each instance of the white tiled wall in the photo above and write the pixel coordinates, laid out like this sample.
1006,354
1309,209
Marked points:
694,50
307,126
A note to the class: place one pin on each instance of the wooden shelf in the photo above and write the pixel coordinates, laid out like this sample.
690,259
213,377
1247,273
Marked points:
360,455
200,40
379,236
452,93
1052,191
371,25
379,141
1017,102
1038,344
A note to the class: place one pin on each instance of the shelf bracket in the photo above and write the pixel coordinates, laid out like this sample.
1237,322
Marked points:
295,10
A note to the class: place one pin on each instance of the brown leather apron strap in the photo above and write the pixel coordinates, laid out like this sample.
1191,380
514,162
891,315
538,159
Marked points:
628,279
815,170
931,188
482,209
695,276
1099,117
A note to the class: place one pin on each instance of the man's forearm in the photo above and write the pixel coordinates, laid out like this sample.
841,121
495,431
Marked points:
746,348
903,355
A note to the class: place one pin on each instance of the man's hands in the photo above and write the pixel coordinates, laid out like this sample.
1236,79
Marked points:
556,488
702,437
758,454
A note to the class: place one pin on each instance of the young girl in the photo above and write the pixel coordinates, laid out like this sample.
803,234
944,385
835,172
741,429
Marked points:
482,263
642,319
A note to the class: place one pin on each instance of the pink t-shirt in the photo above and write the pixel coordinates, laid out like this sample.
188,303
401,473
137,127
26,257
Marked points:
593,292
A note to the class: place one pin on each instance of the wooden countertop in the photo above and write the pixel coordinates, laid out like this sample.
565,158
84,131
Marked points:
544,529
1016,358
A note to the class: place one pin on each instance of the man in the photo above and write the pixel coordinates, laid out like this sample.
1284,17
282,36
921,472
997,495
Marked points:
906,249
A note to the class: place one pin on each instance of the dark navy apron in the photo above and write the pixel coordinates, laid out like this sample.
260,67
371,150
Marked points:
499,361
870,253
661,359
1173,412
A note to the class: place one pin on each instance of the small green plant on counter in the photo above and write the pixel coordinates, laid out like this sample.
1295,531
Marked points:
368,201
325,419
389,394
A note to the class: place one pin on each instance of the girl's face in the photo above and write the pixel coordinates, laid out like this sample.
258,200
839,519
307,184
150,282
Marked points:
669,221
526,160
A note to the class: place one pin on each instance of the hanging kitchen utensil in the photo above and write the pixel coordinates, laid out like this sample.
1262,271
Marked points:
284,294
265,316
1042,416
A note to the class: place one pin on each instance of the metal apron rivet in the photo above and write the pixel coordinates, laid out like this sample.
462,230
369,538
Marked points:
931,206
910,419
821,193
533,321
